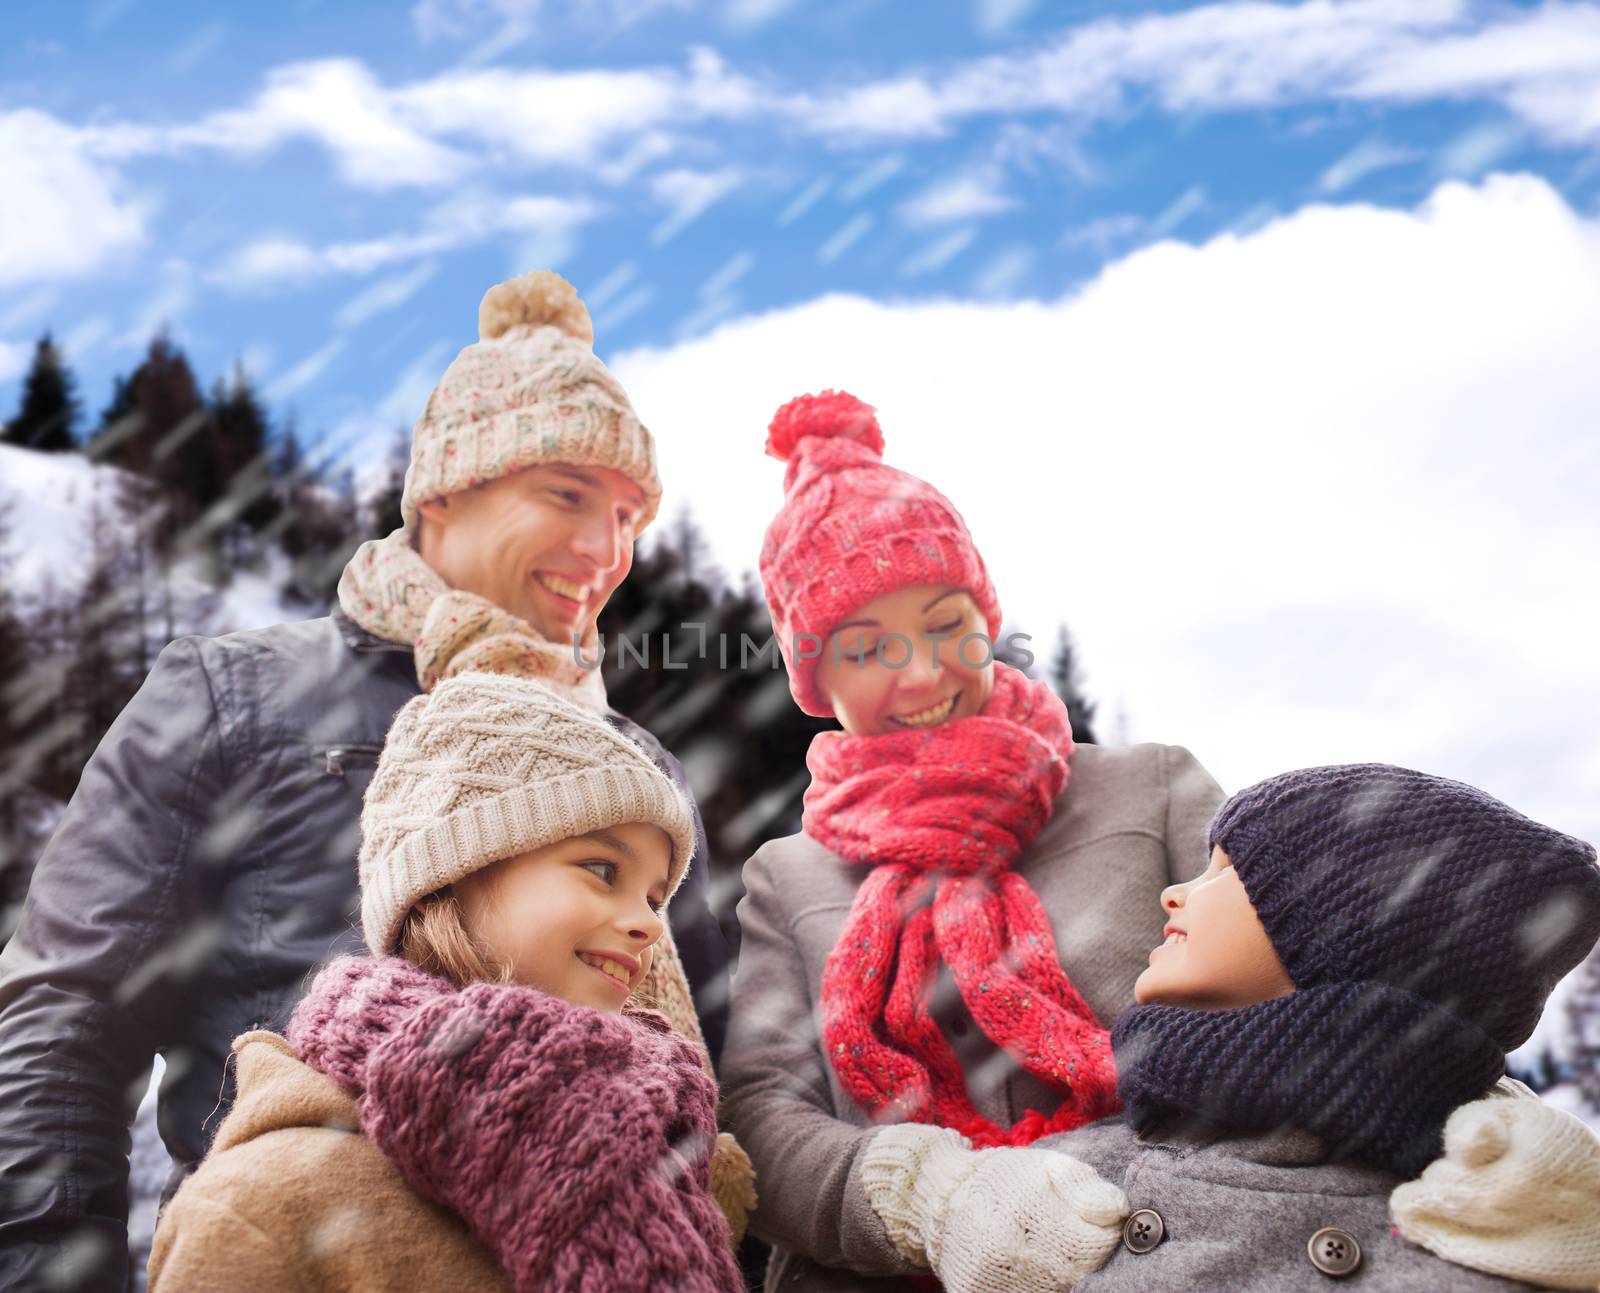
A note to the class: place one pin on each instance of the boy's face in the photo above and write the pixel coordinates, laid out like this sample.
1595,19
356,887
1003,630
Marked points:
1215,955
577,918
549,543
923,678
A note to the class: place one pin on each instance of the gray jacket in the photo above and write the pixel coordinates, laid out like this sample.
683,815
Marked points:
204,866
1240,1212
1129,823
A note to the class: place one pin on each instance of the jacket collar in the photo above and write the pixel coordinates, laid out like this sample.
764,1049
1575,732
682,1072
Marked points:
357,638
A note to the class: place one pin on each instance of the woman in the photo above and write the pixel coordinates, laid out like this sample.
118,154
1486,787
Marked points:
947,763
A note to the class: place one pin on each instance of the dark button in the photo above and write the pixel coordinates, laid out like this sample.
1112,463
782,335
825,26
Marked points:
958,1027
1143,1231
1334,1251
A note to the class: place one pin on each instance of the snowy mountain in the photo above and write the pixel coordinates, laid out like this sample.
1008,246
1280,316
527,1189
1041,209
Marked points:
47,502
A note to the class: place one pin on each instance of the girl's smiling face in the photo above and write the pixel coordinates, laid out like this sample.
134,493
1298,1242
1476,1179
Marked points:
577,918
899,664
1215,954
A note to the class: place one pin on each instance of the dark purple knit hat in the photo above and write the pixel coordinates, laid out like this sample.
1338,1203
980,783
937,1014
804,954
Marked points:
1372,873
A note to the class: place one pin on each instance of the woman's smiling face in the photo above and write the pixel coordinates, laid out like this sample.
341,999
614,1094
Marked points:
1215,953
899,662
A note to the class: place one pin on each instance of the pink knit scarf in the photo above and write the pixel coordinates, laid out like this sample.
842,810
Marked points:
574,1144
941,816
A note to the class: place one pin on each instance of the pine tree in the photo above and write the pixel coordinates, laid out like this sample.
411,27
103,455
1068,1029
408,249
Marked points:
235,495
1066,679
159,427
715,693
382,505
1583,1025
49,412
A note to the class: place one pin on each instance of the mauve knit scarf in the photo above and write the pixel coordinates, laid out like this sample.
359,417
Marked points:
574,1144
941,816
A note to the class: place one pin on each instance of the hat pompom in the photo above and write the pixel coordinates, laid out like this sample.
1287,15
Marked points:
533,300
836,415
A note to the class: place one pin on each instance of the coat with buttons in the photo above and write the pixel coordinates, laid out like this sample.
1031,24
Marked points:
205,865
1129,822
1253,1214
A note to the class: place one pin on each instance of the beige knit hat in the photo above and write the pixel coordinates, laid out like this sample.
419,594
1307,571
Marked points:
531,391
484,767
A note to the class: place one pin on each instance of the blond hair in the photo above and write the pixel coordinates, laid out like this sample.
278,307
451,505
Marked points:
434,938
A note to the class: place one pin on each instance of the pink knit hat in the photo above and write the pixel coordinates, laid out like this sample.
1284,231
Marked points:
850,530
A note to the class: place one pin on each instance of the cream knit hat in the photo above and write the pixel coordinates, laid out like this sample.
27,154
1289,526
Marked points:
530,391
484,767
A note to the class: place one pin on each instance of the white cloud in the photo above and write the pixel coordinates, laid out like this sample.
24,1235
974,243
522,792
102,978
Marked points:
1543,66
434,131
1475,151
803,201
938,253
495,26
1324,492
1105,233
687,195
995,17
1367,157
65,215
749,14
466,19
1189,203
871,176
968,196
470,217
844,238
305,372
336,102
385,294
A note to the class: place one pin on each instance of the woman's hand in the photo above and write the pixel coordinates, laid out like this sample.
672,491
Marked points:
993,1219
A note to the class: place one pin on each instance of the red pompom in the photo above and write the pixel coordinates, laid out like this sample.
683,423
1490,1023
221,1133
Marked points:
832,415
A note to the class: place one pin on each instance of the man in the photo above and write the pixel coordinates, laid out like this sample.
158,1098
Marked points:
207,861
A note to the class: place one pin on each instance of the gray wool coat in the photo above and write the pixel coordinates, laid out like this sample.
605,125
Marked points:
1238,1212
1130,822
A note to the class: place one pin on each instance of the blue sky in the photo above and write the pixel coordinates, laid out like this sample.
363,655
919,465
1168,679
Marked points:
323,190
1255,341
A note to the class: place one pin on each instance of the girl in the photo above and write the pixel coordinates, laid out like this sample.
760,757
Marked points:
479,1111
1364,947
971,895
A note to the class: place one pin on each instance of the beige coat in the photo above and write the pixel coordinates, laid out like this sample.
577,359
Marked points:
293,1197
1130,822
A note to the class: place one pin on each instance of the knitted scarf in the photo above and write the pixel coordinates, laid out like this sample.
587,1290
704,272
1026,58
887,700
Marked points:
941,816
389,590
1370,1068
574,1144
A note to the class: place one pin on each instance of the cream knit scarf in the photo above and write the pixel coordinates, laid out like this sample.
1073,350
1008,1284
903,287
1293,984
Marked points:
389,590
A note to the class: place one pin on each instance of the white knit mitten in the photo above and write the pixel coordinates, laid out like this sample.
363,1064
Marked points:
989,1220
1517,1193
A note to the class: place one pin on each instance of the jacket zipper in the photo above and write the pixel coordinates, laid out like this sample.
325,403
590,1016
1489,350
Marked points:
337,757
